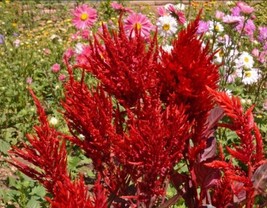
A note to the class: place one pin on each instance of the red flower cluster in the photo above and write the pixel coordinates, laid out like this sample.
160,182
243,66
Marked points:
44,159
149,112
239,185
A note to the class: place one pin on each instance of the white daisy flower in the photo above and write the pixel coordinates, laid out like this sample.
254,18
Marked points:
246,101
248,76
215,27
167,26
53,121
245,60
218,57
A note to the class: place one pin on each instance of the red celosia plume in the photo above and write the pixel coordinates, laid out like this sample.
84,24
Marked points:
44,159
249,152
45,155
125,67
151,116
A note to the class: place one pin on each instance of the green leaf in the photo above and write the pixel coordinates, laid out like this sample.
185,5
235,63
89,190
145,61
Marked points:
33,203
4,195
4,146
73,162
39,191
13,183
14,194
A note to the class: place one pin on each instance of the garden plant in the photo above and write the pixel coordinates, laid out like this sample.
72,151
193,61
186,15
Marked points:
152,109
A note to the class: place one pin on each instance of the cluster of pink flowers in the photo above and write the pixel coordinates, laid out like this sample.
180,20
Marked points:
241,18
239,22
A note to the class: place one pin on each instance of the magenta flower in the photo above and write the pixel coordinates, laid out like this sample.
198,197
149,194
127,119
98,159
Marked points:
235,11
2,39
179,15
116,6
55,68
219,15
162,11
203,27
264,105
68,53
29,80
16,43
62,77
85,34
262,34
248,29
120,8
84,16
263,57
138,22
230,19
255,52
244,8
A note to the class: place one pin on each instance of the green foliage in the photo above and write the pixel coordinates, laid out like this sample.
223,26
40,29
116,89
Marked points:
23,192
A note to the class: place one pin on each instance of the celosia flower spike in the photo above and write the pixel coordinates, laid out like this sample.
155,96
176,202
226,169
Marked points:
46,151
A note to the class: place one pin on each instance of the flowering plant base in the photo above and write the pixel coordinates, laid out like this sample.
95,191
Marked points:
151,112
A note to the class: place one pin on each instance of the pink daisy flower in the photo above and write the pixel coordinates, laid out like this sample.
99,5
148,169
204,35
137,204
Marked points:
179,15
84,16
139,22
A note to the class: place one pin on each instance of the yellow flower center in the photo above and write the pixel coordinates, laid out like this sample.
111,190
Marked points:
166,27
248,74
246,59
84,16
138,26
217,28
221,53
